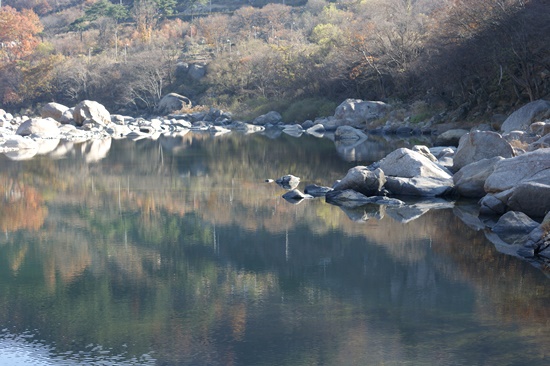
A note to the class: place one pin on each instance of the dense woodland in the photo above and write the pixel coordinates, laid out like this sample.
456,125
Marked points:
476,58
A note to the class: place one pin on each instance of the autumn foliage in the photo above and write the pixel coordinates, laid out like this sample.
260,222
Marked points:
18,33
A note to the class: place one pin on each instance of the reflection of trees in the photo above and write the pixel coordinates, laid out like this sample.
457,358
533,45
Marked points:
132,246
21,207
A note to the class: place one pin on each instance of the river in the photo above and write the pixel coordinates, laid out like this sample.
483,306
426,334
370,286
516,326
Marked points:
177,252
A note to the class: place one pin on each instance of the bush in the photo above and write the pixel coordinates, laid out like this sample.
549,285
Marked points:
309,109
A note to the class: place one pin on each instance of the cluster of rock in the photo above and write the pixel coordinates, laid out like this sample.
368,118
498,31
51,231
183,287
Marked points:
91,127
509,172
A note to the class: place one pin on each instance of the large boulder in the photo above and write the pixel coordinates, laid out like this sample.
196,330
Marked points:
470,180
196,71
479,145
362,179
521,119
39,127
172,103
89,111
521,184
53,110
407,163
532,198
272,118
355,111
514,222
530,167
450,137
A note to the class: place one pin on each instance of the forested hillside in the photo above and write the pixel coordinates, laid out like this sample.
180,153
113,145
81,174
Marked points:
474,57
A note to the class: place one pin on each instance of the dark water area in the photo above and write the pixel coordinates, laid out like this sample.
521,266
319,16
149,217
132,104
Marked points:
176,252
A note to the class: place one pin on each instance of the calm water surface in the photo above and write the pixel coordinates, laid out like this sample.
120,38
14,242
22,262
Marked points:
175,252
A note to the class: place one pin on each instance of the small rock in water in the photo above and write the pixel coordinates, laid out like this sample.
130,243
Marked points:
288,181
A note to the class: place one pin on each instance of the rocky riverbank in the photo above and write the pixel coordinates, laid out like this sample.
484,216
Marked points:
507,170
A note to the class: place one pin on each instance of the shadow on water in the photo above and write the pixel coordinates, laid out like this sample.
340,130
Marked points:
176,252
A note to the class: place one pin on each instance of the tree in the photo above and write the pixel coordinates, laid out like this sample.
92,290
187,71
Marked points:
145,13
18,33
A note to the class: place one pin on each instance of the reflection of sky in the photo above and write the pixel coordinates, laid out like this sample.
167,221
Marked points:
23,350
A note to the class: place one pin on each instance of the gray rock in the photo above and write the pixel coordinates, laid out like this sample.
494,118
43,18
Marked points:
424,150
541,143
196,71
172,103
53,110
408,164
355,111
529,167
317,130
295,194
307,124
349,133
515,222
532,198
521,119
347,198
293,130
316,191
419,186
272,118
479,145
470,180
362,179
288,181
540,128
247,128
89,111
450,137
39,127
491,205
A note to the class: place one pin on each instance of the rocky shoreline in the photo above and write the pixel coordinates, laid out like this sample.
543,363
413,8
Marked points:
507,170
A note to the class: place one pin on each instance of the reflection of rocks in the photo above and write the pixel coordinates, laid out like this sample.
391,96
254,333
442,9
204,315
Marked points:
96,150
364,213
351,198
349,134
293,130
412,211
295,196
288,181
469,215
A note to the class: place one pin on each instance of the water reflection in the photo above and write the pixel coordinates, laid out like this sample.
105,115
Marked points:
184,256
